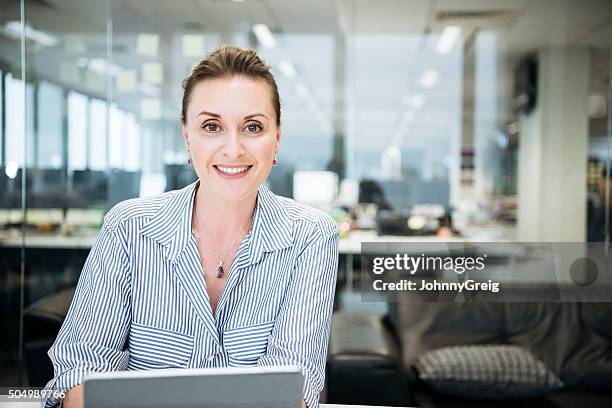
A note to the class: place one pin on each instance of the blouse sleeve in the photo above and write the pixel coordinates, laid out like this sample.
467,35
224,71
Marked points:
301,331
93,336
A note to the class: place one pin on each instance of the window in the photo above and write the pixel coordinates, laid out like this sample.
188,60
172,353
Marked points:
77,131
131,144
97,133
50,107
116,136
16,144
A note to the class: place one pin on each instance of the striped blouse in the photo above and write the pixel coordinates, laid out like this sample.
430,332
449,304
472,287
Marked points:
141,301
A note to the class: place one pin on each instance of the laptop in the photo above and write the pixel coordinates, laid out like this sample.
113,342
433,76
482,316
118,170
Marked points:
265,387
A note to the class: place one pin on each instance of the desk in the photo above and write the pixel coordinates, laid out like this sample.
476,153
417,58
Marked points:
350,245
50,241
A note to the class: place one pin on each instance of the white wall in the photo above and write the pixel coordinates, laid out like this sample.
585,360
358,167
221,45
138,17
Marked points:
553,151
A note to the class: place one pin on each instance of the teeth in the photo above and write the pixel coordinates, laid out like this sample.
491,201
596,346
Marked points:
232,170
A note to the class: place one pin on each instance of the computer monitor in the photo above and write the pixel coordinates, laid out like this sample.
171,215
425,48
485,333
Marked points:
89,189
3,185
179,176
240,387
48,189
11,196
280,180
122,185
315,188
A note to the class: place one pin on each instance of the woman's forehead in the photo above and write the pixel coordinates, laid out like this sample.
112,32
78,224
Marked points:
231,96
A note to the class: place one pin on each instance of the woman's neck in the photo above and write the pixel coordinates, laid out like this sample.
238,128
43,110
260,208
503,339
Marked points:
222,218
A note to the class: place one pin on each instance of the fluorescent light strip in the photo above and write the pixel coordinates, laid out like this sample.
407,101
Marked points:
264,35
287,69
447,40
99,66
302,91
417,101
13,30
429,79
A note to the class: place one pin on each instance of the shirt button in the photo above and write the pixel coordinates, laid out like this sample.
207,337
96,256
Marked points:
210,358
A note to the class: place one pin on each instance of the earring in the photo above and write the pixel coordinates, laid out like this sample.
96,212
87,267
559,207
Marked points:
189,161
274,161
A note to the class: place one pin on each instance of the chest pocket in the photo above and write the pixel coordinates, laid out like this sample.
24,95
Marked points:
244,345
154,347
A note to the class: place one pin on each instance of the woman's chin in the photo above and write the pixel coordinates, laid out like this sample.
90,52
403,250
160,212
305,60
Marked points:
232,192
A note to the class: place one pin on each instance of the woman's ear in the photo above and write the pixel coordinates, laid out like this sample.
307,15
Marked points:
278,139
186,136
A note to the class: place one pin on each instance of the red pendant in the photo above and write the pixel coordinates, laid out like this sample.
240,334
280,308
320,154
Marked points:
220,270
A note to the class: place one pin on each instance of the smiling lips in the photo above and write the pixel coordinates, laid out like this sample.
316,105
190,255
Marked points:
232,171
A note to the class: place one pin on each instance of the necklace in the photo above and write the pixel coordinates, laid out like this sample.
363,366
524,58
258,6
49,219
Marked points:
220,270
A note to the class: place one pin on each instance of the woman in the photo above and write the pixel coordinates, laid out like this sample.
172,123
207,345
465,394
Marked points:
184,278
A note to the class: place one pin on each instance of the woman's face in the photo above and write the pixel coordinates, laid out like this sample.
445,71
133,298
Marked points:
231,132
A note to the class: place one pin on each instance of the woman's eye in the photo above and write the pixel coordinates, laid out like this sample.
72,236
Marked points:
210,127
254,128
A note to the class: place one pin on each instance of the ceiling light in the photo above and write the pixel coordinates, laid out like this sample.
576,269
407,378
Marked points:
417,101
193,45
287,69
150,108
99,66
13,30
264,35
429,79
302,91
74,44
126,81
449,36
102,67
153,72
147,44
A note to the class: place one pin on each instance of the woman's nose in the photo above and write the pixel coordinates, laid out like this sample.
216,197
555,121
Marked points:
233,147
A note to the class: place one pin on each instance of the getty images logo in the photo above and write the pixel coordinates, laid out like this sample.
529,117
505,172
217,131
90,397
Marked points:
424,263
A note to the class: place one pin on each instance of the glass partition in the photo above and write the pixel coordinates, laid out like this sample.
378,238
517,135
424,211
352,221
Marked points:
12,206
403,118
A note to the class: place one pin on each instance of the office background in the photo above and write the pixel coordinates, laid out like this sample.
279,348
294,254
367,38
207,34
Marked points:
491,118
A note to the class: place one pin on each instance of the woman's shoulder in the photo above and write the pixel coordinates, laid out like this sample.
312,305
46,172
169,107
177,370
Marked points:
136,208
304,214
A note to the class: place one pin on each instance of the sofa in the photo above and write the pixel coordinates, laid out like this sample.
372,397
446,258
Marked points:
375,359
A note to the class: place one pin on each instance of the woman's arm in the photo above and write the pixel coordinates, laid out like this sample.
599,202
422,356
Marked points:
74,397
301,330
93,336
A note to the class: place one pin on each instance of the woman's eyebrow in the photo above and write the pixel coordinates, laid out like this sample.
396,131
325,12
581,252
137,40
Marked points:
214,115
255,114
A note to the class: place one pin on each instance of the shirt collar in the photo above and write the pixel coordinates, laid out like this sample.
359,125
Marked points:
171,225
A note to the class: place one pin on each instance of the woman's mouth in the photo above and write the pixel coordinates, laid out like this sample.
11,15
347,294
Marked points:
232,172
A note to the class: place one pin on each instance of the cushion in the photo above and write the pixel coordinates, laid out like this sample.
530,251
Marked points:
497,372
